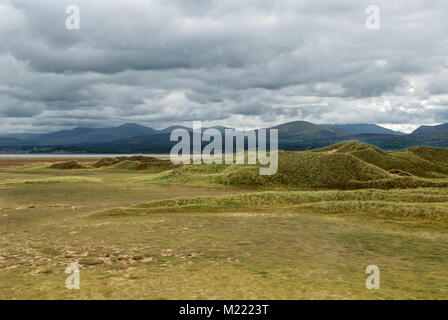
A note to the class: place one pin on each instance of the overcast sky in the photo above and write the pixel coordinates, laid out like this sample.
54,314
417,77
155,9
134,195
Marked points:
238,63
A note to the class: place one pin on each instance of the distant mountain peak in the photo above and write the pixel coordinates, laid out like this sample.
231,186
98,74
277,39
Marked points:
131,125
440,128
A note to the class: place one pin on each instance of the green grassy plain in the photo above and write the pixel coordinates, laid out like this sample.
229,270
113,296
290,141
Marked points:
142,234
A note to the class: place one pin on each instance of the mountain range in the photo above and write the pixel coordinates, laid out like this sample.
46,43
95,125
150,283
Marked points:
297,135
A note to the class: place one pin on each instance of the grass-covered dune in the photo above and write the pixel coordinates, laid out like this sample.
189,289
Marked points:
349,165
434,155
425,162
423,205
66,165
134,163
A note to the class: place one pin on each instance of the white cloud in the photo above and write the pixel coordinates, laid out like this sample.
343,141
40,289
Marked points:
240,63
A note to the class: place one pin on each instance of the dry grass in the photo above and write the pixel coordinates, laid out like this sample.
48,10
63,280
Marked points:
427,205
179,234
50,180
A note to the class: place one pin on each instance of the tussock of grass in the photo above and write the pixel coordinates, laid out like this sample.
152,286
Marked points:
393,210
67,165
68,179
134,163
402,198
90,261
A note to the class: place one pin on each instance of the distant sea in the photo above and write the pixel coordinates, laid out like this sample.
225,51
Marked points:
77,155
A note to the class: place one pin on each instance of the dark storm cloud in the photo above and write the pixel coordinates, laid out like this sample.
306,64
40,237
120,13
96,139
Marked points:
241,63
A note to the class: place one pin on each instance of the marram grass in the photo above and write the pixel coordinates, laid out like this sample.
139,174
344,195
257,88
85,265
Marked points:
51,180
426,204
